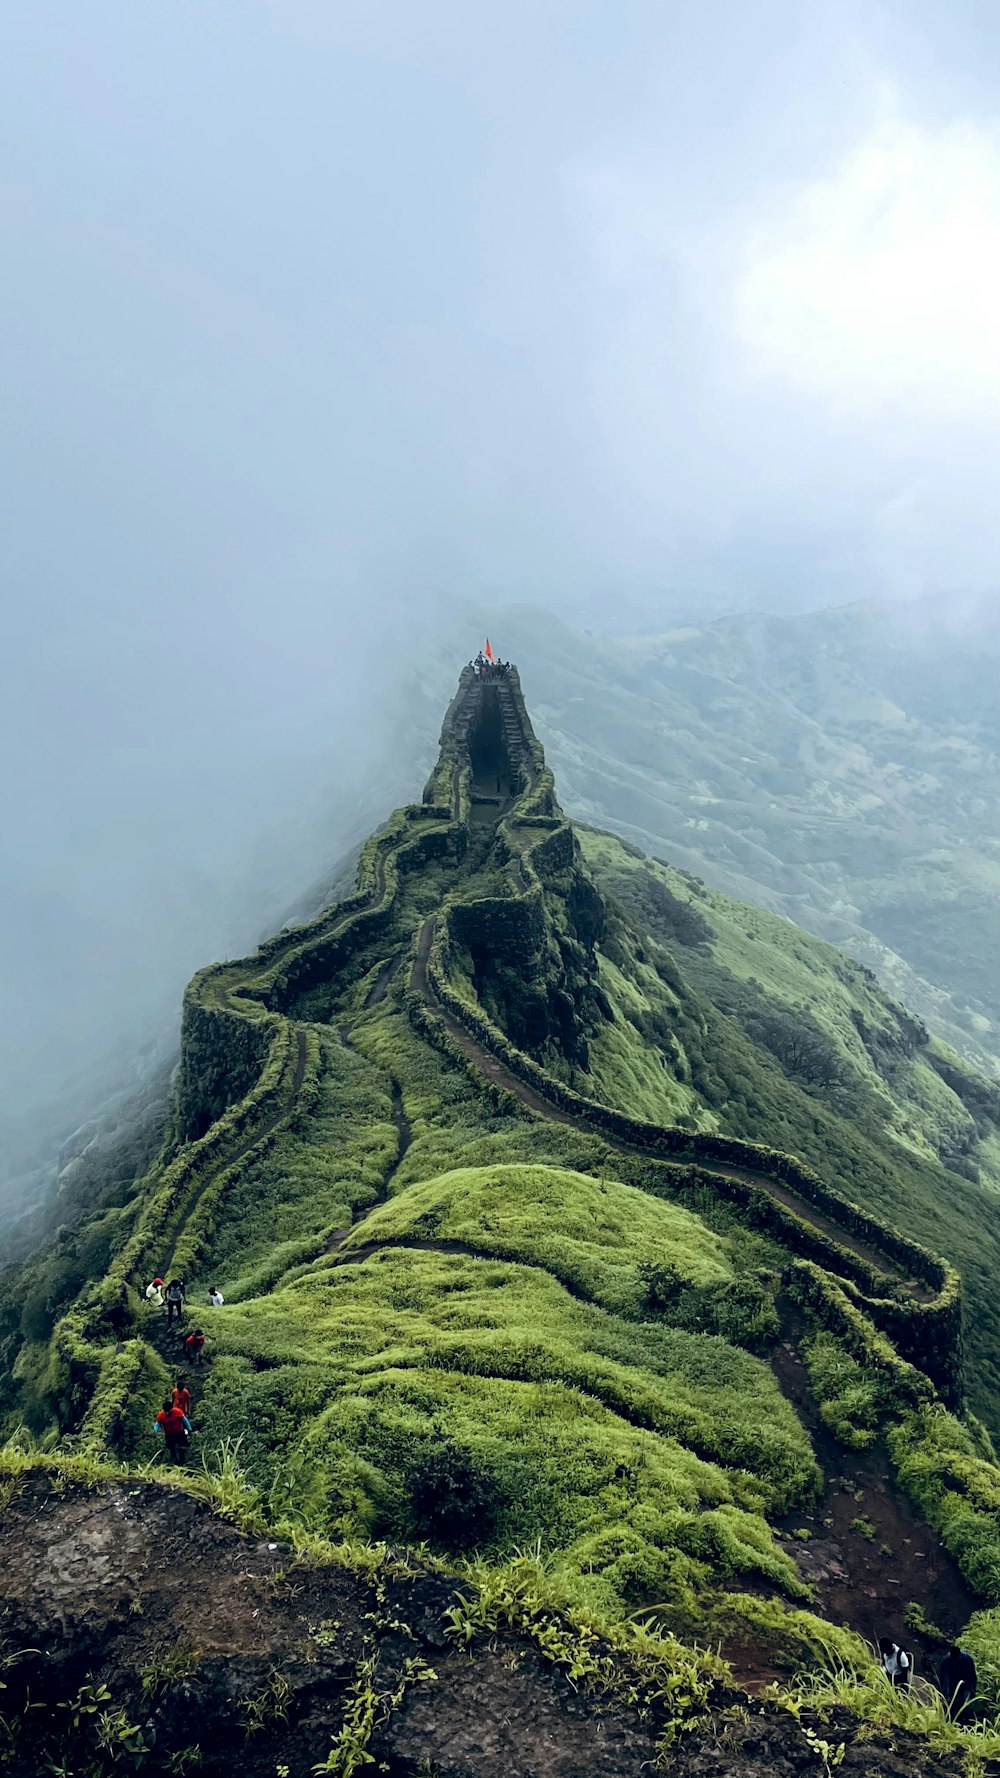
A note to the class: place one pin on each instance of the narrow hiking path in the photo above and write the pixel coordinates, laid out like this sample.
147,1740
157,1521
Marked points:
403,1139
429,1244
380,987
258,1134
169,1343
495,1071
869,1554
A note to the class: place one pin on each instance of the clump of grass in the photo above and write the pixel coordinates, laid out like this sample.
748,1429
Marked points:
851,1399
640,1661
883,1707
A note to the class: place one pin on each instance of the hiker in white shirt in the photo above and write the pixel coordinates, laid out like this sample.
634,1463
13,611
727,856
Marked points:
896,1663
216,1297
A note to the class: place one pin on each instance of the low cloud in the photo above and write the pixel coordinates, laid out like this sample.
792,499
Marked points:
877,286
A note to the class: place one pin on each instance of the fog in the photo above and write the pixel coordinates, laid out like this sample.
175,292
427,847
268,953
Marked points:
317,320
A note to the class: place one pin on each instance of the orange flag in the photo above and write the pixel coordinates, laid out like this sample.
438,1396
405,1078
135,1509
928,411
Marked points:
490,656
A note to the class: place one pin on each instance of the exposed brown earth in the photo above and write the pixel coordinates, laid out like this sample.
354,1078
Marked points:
869,1553
199,1633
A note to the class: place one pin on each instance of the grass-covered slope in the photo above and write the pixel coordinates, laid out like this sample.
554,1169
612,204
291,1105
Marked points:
504,1203
841,767
766,1029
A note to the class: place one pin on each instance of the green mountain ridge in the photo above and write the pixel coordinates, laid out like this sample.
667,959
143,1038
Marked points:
841,767
559,1202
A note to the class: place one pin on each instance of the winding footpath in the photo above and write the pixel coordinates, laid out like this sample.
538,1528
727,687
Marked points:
495,1071
863,1547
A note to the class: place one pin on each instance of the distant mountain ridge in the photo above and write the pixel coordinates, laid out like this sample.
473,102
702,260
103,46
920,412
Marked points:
840,767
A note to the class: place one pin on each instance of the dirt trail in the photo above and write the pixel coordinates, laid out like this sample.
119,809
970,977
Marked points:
496,1072
380,988
169,1344
869,1553
250,1141
421,1244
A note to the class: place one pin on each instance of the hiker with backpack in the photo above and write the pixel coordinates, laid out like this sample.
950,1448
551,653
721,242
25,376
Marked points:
176,1430
175,1300
897,1665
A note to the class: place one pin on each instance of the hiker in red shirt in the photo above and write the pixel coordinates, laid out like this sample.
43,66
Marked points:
194,1347
176,1430
182,1397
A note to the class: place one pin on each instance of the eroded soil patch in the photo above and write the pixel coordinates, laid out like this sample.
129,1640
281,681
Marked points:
869,1553
208,1639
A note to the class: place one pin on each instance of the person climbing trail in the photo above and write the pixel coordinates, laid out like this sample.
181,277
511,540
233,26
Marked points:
897,1665
181,1397
215,1297
176,1430
175,1300
959,1682
194,1347
154,1293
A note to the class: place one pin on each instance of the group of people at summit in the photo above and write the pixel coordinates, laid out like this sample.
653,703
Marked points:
486,665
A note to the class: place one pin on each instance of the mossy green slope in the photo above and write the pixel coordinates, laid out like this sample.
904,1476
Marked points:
485,1316
838,766
593,1235
769,1029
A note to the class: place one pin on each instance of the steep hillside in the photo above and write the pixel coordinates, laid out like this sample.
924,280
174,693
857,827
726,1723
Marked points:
733,1019
841,767
500,1191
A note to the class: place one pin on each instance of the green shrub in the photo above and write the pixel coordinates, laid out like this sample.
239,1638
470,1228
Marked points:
453,1497
982,1639
850,1398
955,1489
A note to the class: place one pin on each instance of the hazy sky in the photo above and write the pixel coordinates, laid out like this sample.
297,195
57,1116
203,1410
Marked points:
310,312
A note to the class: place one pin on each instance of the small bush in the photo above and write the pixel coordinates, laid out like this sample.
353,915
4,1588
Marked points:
453,1498
850,1398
